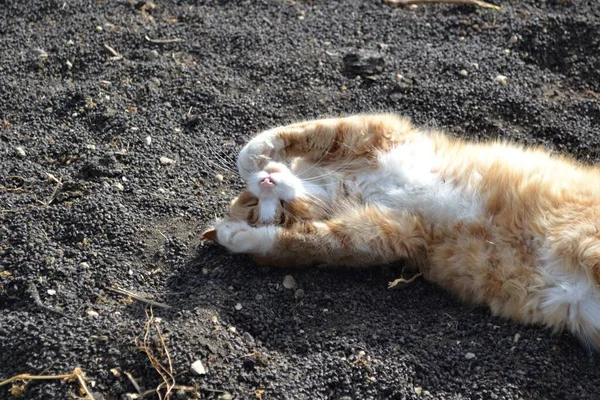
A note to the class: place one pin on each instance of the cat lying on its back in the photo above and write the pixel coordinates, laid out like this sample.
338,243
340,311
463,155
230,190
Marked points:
516,229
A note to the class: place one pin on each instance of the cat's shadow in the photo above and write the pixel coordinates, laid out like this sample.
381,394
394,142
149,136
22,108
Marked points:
342,311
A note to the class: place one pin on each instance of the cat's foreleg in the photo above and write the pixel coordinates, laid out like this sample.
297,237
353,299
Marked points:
360,237
325,140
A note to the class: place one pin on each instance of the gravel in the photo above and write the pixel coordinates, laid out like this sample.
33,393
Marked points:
113,215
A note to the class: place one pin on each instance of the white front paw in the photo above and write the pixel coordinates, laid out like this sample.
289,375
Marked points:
239,237
258,152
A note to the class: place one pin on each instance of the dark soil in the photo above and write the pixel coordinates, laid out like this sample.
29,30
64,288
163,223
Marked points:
81,115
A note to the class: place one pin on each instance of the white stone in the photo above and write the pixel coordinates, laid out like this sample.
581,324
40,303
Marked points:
289,282
166,160
501,79
198,367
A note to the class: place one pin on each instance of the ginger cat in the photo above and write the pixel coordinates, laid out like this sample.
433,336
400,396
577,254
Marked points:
494,223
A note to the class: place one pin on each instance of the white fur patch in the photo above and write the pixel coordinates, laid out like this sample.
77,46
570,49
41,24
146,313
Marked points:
406,180
572,298
239,237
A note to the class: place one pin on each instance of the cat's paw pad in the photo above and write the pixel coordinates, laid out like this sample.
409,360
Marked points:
239,237
258,152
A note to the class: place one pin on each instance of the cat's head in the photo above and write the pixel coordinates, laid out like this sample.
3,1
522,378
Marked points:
276,196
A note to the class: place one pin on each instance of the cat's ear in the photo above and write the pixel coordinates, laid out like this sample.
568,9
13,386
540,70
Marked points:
210,234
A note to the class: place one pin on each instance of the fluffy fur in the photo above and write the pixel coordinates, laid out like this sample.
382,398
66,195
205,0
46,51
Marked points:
516,229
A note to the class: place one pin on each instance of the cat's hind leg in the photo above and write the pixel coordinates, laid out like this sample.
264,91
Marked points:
355,138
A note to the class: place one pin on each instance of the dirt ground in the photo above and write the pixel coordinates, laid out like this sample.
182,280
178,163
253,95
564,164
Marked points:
118,120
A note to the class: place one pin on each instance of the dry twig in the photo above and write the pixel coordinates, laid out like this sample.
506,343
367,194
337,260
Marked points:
398,283
76,375
53,194
35,295
165,372
134,383
164,41
139,297
478,3
116,55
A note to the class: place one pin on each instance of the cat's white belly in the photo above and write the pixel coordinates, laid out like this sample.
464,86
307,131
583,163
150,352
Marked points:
406,180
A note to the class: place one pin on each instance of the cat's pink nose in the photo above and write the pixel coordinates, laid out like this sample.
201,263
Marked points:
267,182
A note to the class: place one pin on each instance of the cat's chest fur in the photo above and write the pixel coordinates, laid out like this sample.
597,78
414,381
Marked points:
408,178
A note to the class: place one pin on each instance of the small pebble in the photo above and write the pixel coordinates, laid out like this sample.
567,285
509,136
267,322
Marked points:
258,297
248,338
469,356
502,79
40,54
166,160
198,367
69,65
516,338
413,6
418,390
513,39
463,72
289,282
299,294
219,177
84,265
92,313
148,140
51,292
119,186
238,306
20,151
90,146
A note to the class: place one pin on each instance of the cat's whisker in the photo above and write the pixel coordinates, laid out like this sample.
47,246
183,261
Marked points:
229,159
331,172
214,168
223,162
315,165
324,203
